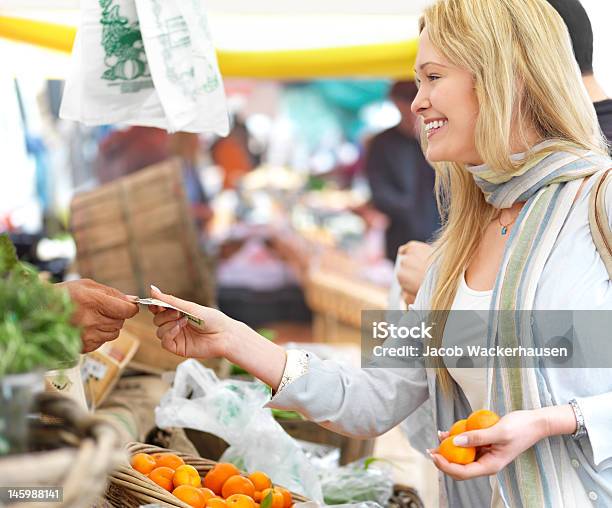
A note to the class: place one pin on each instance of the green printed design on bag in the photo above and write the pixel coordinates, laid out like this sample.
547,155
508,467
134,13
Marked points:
125,56
175,37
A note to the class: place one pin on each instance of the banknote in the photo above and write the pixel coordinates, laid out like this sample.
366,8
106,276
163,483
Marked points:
154,301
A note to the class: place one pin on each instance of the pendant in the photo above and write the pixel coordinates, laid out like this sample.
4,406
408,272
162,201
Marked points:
504,230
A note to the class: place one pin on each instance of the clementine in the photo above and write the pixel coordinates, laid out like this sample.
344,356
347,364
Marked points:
458,427
240,501
168,460
207,493
278,501
187,475
481,419
163,477
190,495
456,454
260,480
286,496
216,502
217,476
237,484
143,463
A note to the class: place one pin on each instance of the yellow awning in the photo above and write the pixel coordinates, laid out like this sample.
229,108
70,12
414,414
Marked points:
382,60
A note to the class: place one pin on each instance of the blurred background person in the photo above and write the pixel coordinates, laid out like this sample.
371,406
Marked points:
581,33
401,180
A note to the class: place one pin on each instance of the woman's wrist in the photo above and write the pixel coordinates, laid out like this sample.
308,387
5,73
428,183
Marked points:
556,420
254,353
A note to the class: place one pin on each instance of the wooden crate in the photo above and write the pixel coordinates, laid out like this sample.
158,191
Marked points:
102,368
138,231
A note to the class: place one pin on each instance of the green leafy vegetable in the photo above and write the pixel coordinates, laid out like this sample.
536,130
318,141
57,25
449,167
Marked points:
35,328
8,255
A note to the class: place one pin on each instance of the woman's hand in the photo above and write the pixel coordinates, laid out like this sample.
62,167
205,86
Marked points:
182,337
503,442
217,336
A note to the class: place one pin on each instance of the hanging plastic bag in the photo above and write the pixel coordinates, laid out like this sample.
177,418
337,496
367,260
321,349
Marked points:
233,410
160,71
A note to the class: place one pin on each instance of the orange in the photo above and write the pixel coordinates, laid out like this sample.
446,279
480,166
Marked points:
260,480
458,427
187,475
190,495
217,476
216,502
240,501
237,484
163,477
207,493
286,496
481,419
168,460
278,501
143,463
456,454
257,496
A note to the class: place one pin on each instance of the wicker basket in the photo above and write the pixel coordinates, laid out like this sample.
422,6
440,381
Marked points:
131,489
72,450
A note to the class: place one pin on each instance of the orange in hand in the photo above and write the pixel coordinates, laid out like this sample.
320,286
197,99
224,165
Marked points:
163,477
143,463
190,495
278,501
218,475
240,501
260,480
237,484
168,460
187,475
481,419
458,427
456,454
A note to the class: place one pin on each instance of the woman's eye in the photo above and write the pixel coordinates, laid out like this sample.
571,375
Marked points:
432,77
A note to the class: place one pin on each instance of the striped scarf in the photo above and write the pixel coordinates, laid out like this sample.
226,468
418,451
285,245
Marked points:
549,185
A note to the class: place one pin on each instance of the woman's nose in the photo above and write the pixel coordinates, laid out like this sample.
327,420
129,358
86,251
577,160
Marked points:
420,102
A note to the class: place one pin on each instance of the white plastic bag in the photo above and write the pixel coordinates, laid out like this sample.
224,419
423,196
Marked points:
233,410
121,73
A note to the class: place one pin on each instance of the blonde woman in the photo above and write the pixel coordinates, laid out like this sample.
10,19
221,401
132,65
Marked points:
514,136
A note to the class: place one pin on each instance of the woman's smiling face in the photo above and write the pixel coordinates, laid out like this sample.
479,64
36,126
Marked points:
448,106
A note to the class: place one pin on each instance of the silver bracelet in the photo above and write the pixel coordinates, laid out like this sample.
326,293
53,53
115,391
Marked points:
581,430
297,365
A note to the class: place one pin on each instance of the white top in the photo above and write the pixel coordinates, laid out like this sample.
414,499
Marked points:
473,381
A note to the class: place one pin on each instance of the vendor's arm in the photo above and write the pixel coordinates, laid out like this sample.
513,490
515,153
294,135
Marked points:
100,311
352,401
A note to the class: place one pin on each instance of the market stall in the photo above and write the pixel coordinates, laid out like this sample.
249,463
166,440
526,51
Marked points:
283,246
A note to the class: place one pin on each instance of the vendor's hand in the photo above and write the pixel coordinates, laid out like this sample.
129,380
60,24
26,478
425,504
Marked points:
100,311
502,443
414,261
181,337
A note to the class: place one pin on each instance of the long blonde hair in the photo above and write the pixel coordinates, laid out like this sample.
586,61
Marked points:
525,74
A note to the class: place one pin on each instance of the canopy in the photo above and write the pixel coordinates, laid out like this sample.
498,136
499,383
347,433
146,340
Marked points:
270,42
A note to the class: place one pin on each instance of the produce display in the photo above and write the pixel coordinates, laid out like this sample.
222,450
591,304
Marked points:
224,486
480,419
